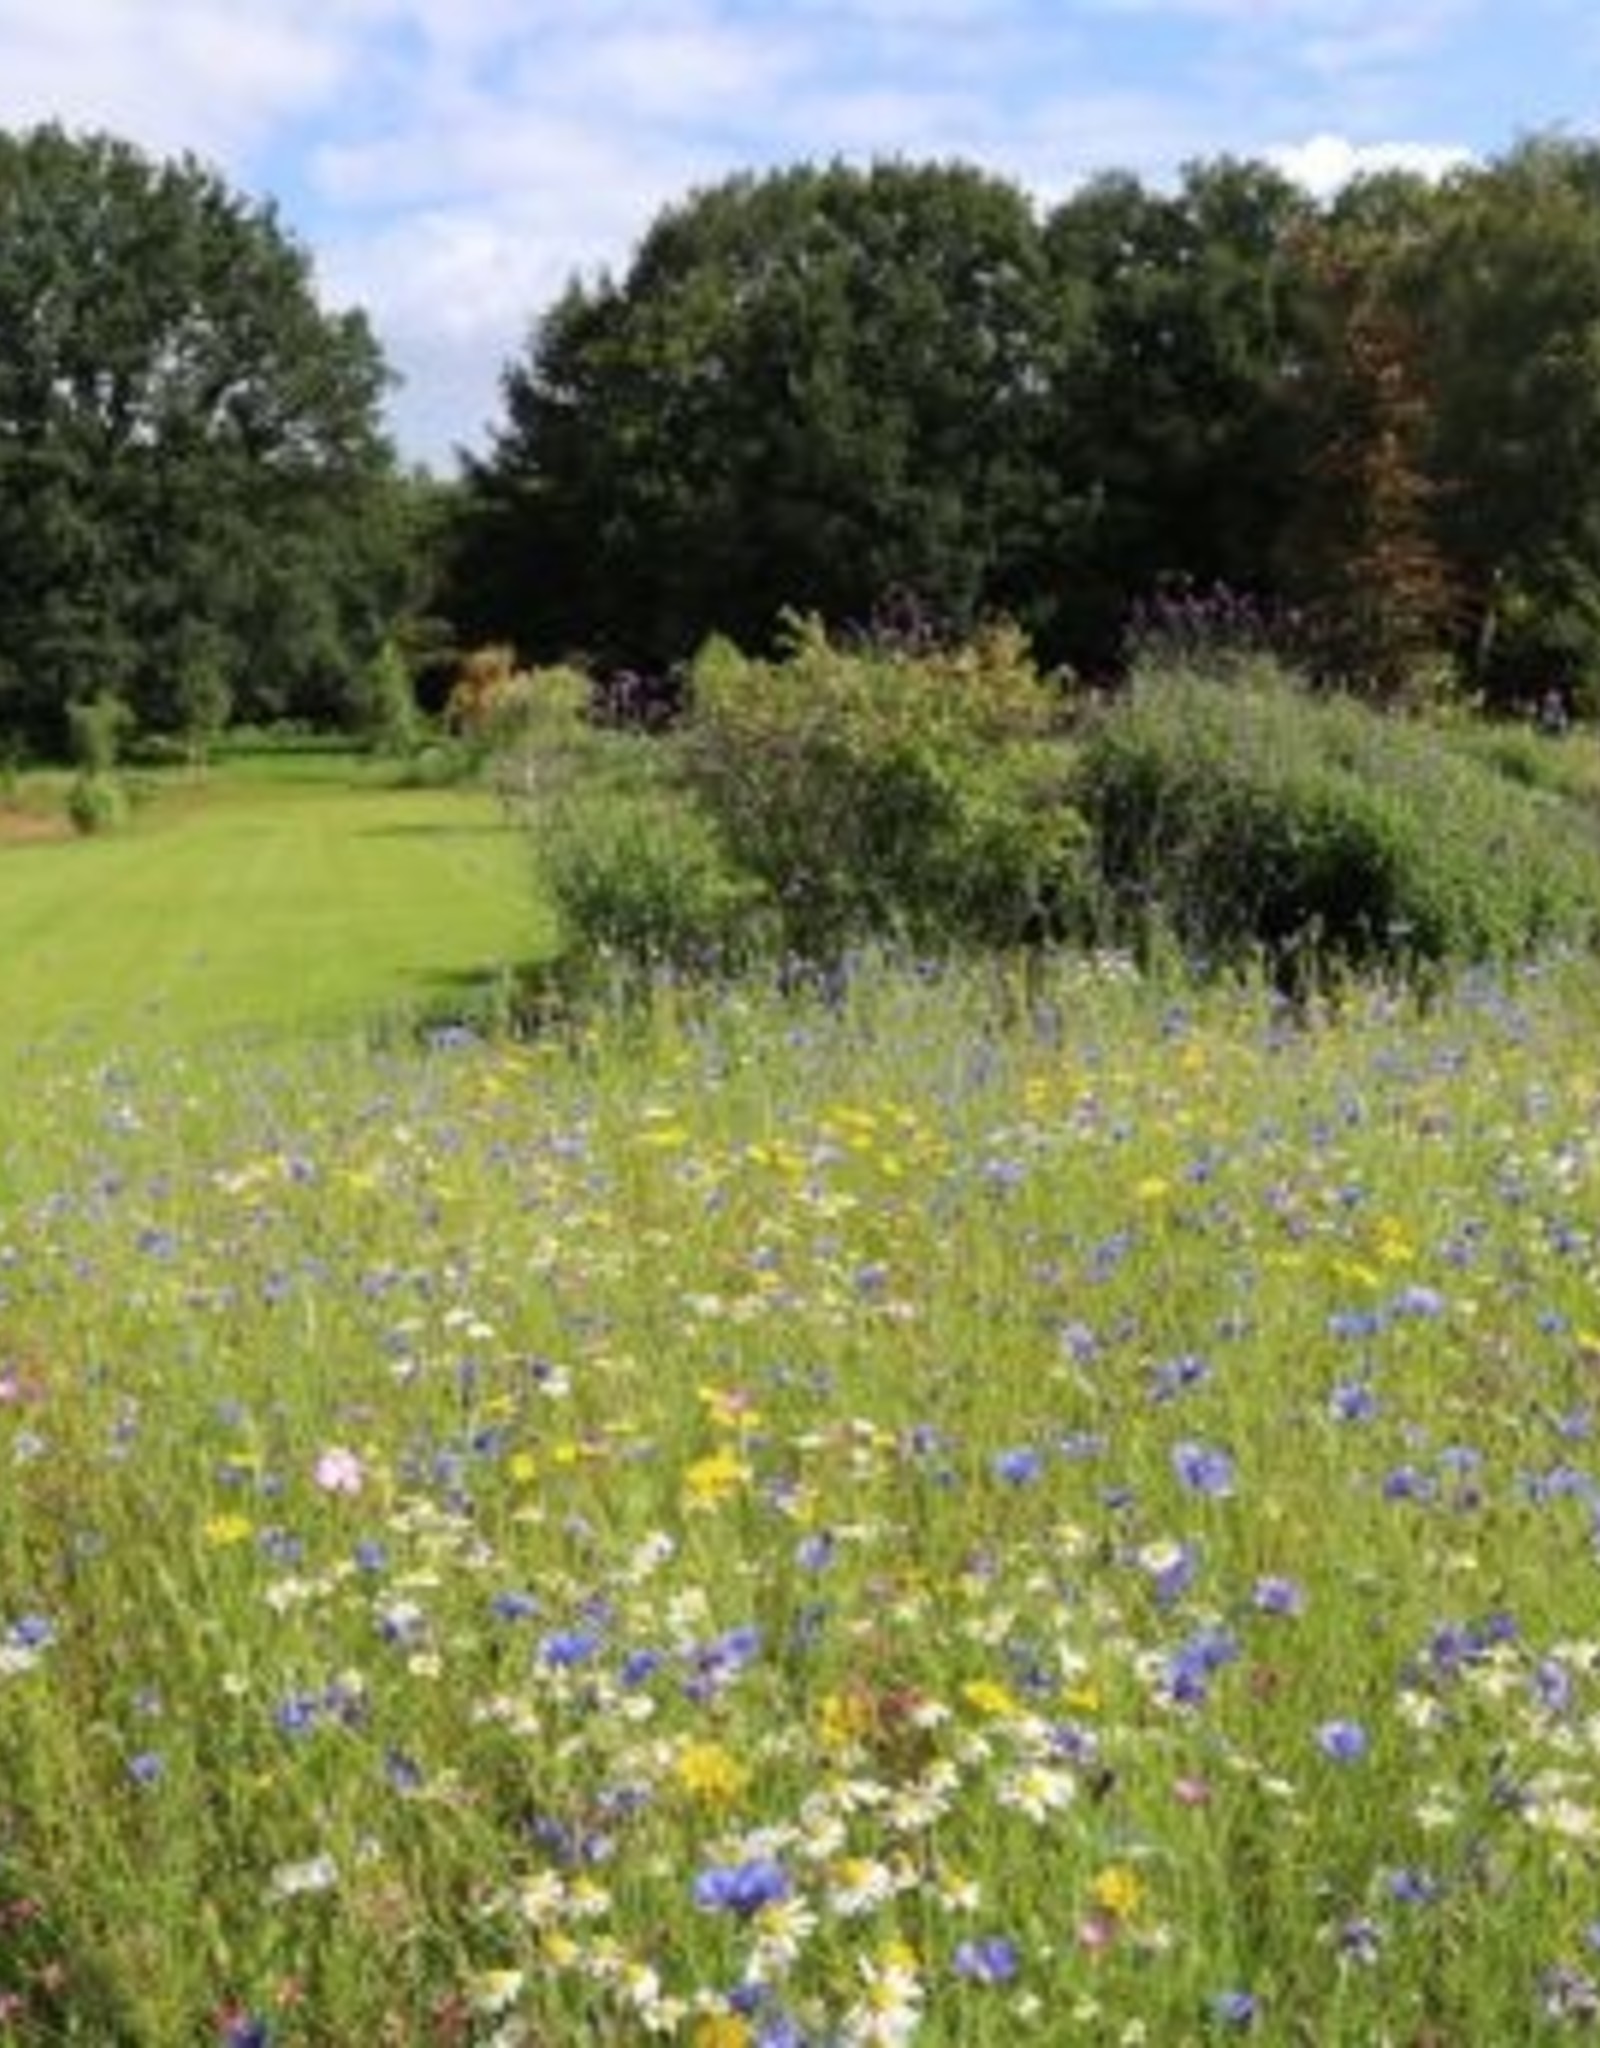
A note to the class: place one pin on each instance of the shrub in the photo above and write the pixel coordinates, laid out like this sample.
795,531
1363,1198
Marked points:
96,803
98,726
384,704
877,792
644,886
1261,821
636,869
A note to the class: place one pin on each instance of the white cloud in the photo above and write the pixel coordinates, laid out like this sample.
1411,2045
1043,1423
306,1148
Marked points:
1326,162
452,162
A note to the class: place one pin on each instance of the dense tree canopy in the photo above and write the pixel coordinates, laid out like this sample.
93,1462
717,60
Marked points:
809,387
193,482
1382,410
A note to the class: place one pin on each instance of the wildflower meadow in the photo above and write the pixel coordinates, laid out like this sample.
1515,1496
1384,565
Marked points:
967,1510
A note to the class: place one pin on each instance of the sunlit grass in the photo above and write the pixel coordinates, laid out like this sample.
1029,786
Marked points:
969,1512
287,895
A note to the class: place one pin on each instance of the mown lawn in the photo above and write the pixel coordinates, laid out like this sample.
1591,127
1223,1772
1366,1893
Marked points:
294,894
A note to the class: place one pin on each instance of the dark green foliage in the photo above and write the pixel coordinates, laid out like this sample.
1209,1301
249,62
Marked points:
1503,293
1179,417
809,386
881,794
1253,822
189,449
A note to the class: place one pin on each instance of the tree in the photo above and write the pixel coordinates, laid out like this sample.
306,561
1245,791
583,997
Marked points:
1504,297
189,445
1181,417
809,387
1366,554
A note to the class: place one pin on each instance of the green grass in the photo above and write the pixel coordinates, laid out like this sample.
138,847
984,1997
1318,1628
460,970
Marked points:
283,894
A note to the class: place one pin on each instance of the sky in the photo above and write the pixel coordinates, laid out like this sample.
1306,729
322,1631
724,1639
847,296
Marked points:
451,164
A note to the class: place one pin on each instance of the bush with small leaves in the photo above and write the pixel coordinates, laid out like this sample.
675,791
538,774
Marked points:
1260,821
879,793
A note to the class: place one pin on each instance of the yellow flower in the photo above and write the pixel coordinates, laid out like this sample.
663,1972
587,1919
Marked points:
222,1530
1118,1891
711,1480
722,2030
989,1697
843,1718
707,1772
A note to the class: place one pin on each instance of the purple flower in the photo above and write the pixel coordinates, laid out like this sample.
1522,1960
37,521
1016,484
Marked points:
1234,2008
1018,1467
741,1888
31,1632
1352,1401
243,2030
1172,1569
147,1768
1203,1469
1274,1595
1344,1741
1360,1940
815,1553
988,1959
568,1647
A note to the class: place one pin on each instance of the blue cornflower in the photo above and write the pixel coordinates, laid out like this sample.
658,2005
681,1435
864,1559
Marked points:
244,2030
1352,1401
567,1648
1360,1940
1203,1469
147,1768
1357,1322
298,1714
404,1773
1018,1466
1274,1595
1191,1665
1177,1376
639,1666
1406,1482
987,1959
741,1888
1345,1742
1235,2008
1172,1569
1551,1685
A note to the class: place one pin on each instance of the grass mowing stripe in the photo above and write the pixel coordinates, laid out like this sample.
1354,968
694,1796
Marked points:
263,906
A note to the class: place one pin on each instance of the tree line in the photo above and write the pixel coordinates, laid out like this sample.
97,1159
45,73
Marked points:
1372,422
1368,426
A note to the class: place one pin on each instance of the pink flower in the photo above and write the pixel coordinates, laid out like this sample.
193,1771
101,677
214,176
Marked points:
339,1470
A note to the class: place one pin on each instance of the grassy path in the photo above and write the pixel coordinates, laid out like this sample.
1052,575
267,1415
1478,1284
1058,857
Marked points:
285,895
